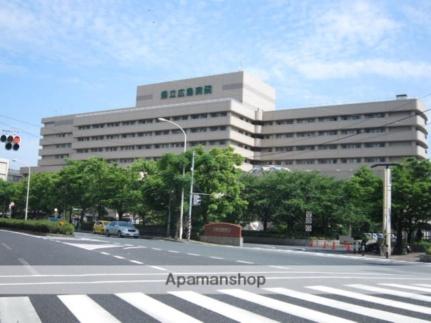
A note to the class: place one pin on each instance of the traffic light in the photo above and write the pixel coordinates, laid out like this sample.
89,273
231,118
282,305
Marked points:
11,142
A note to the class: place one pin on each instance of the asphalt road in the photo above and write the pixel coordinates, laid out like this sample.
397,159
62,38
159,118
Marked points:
92,278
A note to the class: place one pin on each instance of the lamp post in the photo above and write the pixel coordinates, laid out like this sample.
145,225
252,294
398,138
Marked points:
387,205
180,231
28,190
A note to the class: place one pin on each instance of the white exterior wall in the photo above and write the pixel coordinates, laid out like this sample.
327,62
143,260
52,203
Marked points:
240,112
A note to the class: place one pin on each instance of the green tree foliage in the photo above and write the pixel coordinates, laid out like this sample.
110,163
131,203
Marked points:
411,190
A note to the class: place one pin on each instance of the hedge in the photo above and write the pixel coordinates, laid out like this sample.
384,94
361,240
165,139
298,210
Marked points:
43,226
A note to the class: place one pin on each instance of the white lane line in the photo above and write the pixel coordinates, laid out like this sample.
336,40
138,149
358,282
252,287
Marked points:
86,310
158,268
424,285
173,251
105,253
420,289
278,267
156,309
28,267
392,292
136,262
17,309
218,258
128,245
6,246
193,254
91,246
245,262
373,299
158,249
118,257
361,310
284,307
229,311
137,247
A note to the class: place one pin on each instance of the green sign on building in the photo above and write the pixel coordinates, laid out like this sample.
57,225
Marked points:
199,90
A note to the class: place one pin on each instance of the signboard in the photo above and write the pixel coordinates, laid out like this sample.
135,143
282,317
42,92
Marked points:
199,90
222,230
196,199
308,221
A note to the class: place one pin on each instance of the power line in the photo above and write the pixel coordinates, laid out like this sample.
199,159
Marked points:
20,121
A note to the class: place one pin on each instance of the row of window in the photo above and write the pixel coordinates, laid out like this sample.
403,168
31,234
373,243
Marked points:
153,120
150,146
325,161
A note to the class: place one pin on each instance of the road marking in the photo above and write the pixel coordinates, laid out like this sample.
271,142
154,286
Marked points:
128,245
392,292
278,267
373,299
218,258
193,254
232,312
91,246
361,310
424,285
86,310
159,268
173,251
156,309
245,262
137,247
158,249
105,253
28,266
118,257
284,307
17,309
136,262
420,289
6,246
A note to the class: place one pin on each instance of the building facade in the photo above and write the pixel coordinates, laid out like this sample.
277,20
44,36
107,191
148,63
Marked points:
238,110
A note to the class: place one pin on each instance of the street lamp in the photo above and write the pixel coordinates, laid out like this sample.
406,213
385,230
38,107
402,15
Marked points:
28,190
180,233
387,202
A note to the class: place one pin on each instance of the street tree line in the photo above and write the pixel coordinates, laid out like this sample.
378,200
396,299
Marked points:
279,199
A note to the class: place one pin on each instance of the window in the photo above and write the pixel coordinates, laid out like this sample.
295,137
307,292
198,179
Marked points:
198,90
374,144
375,130
327,161
350,131
305,162
164,95
305,134
306,120
190,91
350,146
208,89
325,119
351,117
375,159
325,147
374,115
328,133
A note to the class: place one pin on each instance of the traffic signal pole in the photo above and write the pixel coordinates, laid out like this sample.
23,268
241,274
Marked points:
189,221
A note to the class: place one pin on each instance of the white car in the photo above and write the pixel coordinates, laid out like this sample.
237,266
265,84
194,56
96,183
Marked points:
122,229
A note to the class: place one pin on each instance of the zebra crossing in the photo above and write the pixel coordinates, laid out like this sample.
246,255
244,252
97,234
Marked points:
319,303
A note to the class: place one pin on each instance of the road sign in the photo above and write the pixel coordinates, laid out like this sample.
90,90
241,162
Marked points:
308,217
196,199
308,228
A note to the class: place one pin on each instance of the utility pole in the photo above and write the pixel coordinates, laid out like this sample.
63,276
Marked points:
387,206
189,222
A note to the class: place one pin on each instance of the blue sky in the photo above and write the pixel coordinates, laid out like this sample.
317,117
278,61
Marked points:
61,57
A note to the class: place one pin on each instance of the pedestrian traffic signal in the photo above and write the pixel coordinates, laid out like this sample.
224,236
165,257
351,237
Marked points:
11,142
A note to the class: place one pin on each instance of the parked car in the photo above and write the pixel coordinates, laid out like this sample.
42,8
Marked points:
100,226
122,229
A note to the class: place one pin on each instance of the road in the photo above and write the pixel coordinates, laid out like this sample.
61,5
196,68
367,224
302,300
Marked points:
92,278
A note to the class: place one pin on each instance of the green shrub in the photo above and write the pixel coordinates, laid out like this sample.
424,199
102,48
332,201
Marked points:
43,226
424,245
428,251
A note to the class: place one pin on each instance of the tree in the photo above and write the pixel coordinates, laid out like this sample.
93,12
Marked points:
6,195
411,197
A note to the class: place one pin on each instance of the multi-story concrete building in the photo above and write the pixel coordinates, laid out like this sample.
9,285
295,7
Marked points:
237,109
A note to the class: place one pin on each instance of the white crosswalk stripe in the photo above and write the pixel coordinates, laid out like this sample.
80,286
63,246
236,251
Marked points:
373,299
283,306
420,289
17,309
221,308
392,292
378,314
86,310
155,308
